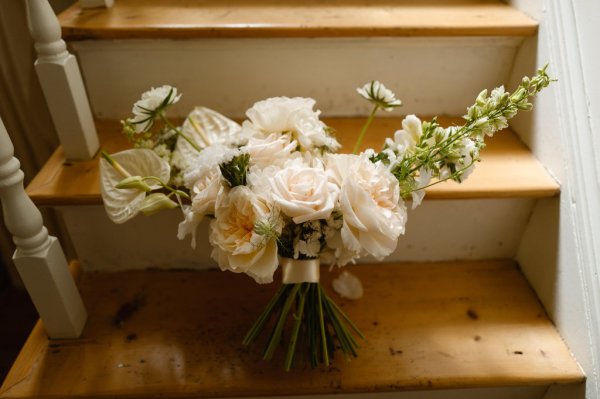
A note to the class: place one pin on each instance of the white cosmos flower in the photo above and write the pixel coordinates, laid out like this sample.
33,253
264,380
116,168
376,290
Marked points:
237,246
290,115
380,95
304,193
153,101
374,215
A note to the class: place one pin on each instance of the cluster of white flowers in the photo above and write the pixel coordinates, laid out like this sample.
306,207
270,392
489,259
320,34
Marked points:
274,186
296,198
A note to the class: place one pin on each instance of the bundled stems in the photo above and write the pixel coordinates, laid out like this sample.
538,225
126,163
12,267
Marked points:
315,315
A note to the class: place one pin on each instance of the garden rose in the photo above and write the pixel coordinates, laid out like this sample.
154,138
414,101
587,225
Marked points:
204,196
273,150
303,193
290,115
237,246
370,202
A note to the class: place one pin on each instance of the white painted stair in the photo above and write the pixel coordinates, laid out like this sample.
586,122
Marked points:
458,324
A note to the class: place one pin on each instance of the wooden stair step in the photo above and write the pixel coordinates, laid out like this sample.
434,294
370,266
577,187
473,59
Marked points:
295,18
428,326
507,168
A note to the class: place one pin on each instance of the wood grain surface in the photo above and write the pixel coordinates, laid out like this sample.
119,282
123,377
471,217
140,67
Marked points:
507,169
428,326
295,18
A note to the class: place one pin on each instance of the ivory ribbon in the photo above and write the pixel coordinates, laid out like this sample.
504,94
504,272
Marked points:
300,271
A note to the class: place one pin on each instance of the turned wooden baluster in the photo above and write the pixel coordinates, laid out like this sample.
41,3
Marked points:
95,3
61,83
39,258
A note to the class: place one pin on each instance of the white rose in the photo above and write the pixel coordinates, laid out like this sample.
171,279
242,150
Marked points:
304,193
293,115
237,246
373,212
275,149
204,196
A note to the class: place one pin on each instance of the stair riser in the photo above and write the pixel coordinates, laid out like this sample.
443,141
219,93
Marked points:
431,75
438,230
525,392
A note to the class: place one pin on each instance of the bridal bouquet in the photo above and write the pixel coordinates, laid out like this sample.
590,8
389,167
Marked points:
278,193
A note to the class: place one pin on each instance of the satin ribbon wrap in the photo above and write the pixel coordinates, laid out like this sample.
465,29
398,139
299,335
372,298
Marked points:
300,271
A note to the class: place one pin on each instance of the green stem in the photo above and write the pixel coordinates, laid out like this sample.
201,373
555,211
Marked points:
444,179
167,187
264,317
322,326
289,358
179,132
276,337
345,317
364,130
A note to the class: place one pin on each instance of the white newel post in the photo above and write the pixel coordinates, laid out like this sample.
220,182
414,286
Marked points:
95,3
62,84
39,258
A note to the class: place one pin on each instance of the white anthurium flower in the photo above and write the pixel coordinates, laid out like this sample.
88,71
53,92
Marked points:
204,195
304,193
206,127
296,116
380,95
123,204
347,285
273,150
152,101
237,245
374,215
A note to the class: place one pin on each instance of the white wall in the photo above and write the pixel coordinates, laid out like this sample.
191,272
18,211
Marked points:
560,249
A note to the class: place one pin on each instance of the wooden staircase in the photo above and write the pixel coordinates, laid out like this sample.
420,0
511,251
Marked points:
436,327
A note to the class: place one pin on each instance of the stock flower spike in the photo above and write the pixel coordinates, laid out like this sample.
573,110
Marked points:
279,196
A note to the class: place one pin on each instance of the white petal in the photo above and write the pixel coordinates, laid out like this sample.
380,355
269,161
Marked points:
348,286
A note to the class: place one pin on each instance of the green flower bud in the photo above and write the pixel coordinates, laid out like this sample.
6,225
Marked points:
156,202
134,182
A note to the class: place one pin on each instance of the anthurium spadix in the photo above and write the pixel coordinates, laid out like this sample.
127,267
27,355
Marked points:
135,170
206,127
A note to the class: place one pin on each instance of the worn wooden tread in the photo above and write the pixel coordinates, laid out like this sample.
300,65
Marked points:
428,326
507,169
295,18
